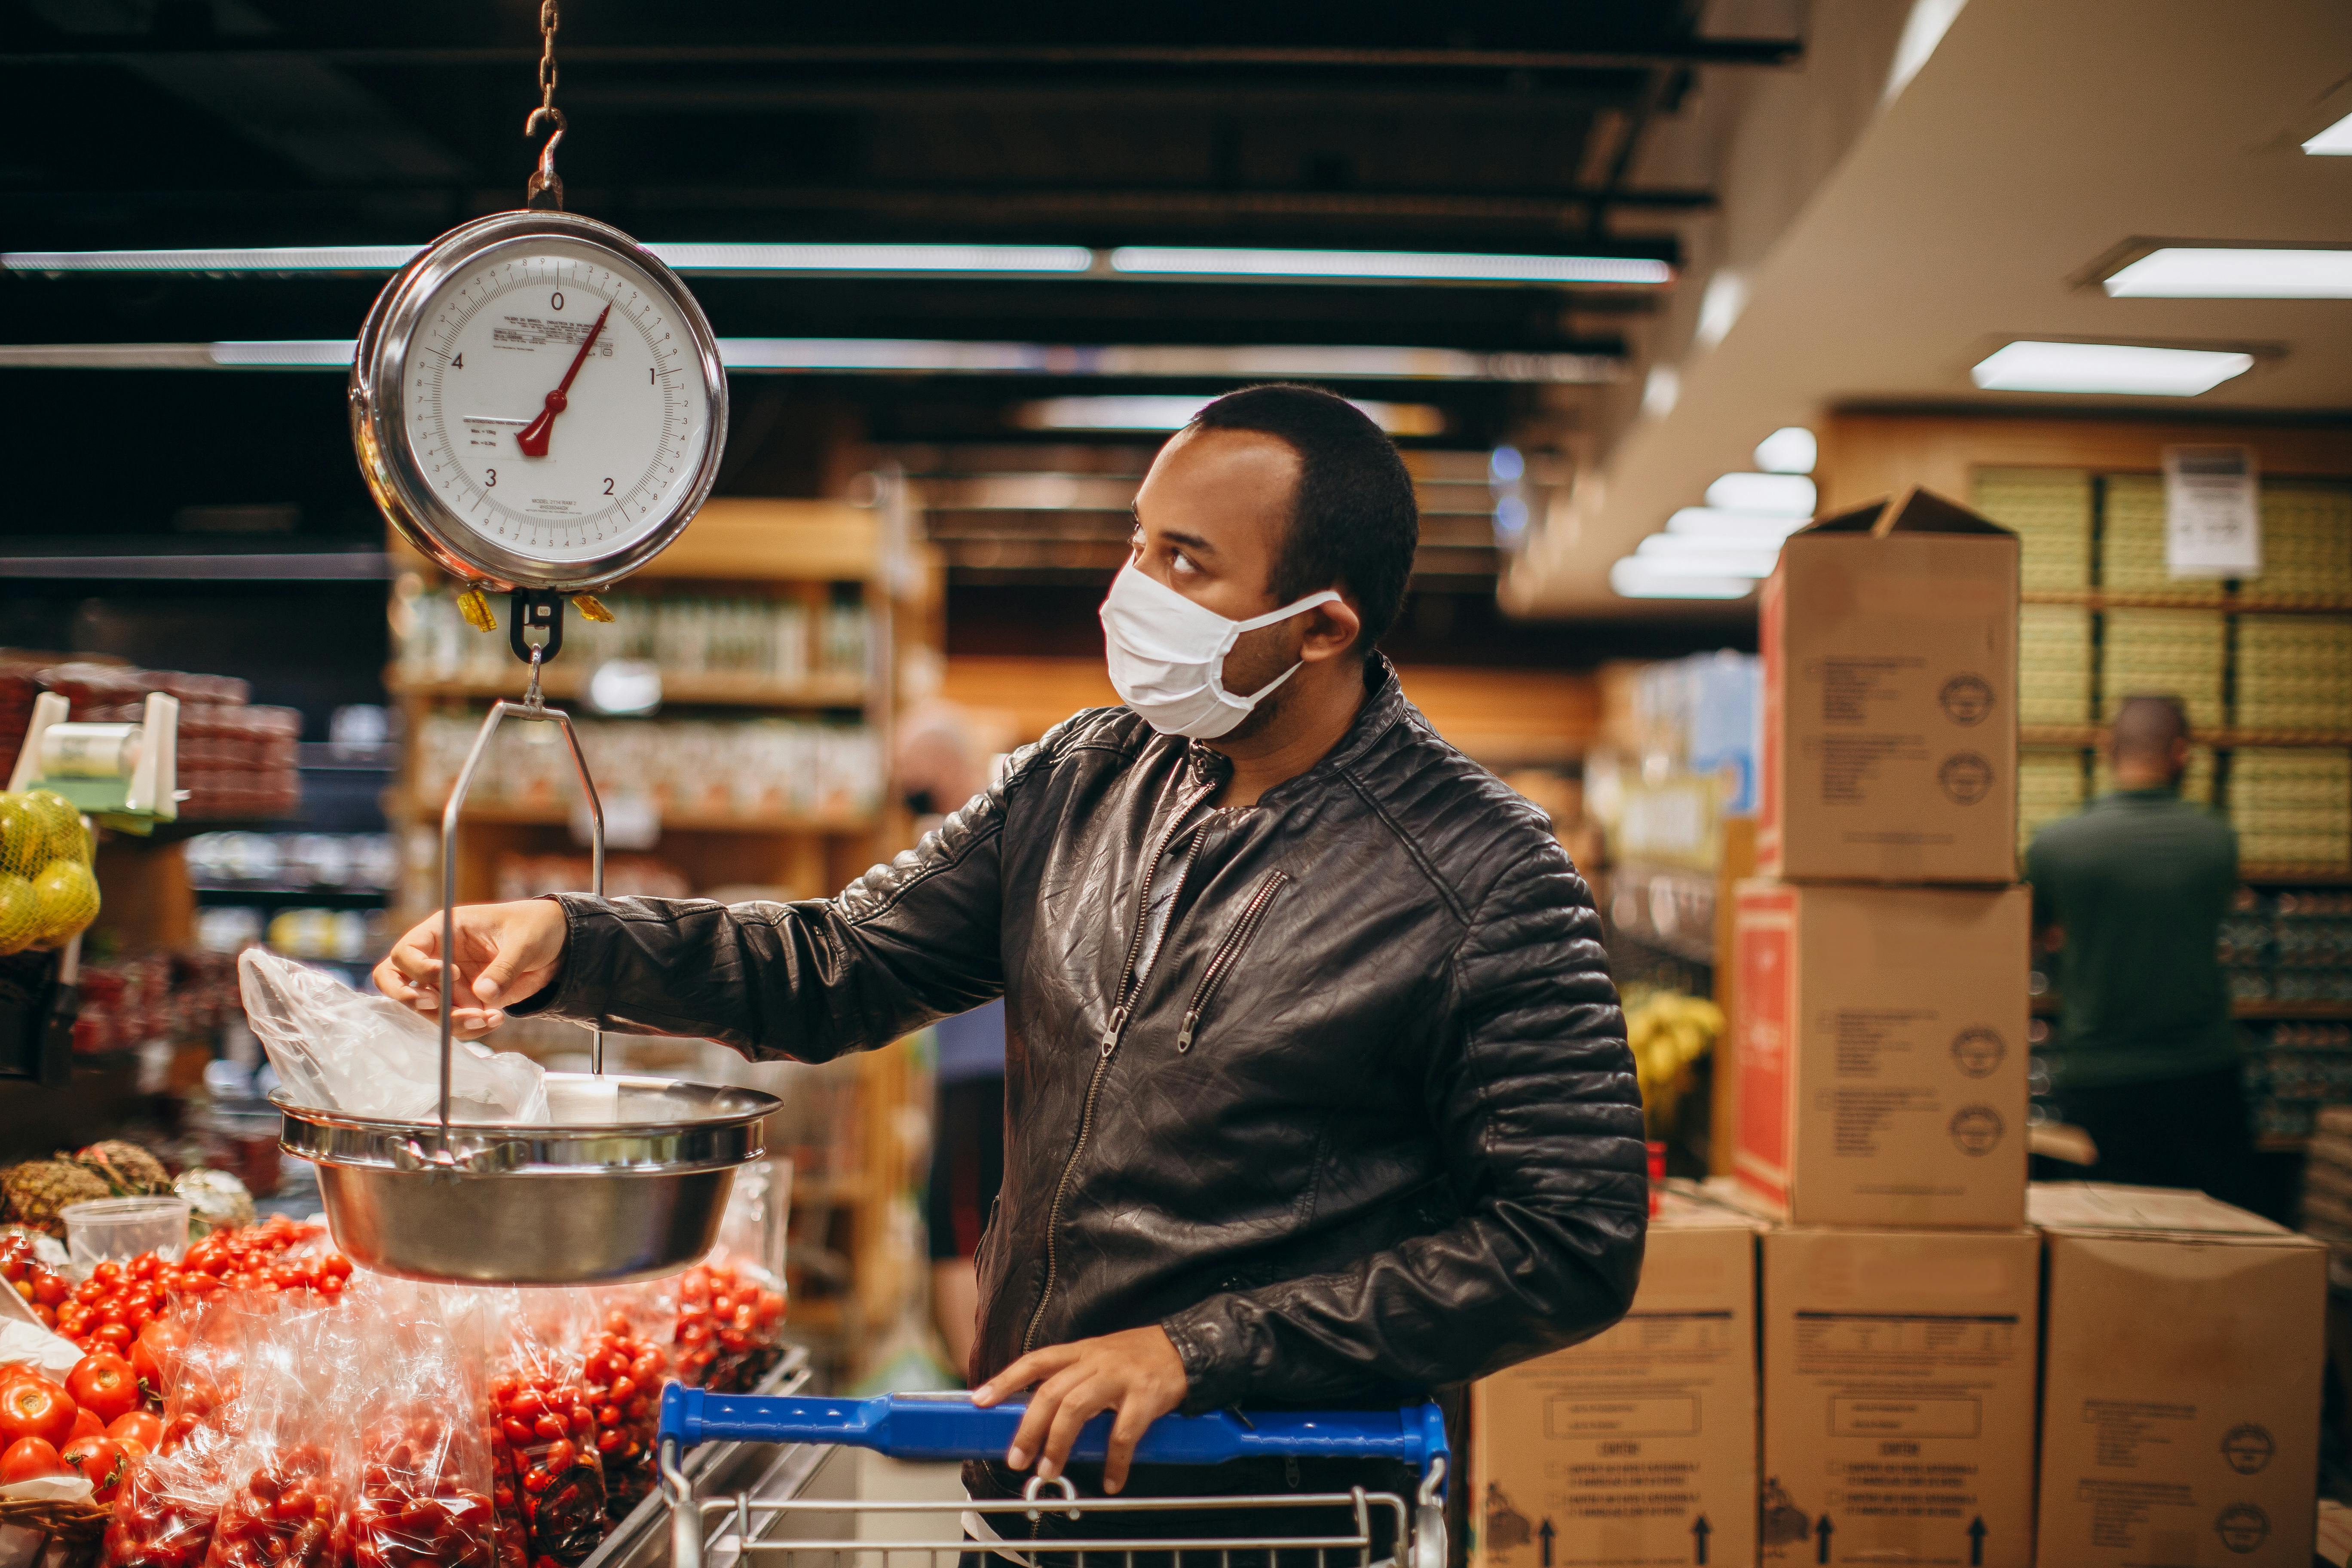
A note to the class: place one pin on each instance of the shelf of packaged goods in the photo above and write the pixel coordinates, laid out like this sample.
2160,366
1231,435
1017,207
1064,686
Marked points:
2047,1006
2225,740
262,893
2244,603
505,814
678,690
2264,874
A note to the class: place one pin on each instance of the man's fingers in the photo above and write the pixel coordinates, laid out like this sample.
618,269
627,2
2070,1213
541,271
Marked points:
1029,1369
1090,1394
1127,1429
1034,1422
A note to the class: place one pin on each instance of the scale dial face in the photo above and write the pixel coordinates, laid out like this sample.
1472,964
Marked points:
542,400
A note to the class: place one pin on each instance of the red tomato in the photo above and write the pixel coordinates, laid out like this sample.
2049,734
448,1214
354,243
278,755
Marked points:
29,1458
142,1427
99,1460
86,1426
133,1451
105,1385
33,1406
156,1355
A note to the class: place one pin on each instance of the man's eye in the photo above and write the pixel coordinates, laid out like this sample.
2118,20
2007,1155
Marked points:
1180,562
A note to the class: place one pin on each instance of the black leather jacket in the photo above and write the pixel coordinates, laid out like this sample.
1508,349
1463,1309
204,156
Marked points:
1368,1124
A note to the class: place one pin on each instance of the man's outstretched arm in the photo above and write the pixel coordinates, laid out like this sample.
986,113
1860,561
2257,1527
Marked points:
909,942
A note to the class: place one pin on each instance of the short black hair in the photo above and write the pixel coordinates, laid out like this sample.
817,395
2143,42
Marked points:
2148,725
1353,523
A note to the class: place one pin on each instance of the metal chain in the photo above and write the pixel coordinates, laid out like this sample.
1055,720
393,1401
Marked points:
545,189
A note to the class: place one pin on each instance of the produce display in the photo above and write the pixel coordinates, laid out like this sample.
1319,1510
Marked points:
260,1403
48,893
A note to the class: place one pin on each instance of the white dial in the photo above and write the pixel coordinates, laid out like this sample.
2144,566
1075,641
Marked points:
555,403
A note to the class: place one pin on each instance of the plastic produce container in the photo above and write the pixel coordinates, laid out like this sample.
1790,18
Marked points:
123,1229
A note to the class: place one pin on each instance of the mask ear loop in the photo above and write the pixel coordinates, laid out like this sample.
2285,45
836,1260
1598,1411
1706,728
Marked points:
1217,668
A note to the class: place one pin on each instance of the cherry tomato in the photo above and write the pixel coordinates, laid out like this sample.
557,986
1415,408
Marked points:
104,1386
99,1460
29,1458
33,1406
143,1427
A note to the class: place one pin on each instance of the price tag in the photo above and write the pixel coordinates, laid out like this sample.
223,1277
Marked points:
2212,518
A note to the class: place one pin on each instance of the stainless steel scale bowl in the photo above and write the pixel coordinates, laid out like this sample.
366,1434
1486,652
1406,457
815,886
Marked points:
635,1195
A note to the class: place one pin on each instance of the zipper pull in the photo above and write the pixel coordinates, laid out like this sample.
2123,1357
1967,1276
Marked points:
1110,1035
1185,1035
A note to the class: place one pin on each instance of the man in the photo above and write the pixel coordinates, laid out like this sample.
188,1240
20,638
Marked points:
1316,1086
2131,892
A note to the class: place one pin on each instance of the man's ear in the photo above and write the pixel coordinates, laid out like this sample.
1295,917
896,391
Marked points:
1331,630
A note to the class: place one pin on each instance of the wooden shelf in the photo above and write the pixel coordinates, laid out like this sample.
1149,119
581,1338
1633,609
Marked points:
2282,1143
2239,603
2047,1006
2081,735
491,812
678,690
2315,875
743,539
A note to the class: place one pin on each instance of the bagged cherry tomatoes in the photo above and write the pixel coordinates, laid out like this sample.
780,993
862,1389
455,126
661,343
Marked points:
623,1369
287,1513
731,1322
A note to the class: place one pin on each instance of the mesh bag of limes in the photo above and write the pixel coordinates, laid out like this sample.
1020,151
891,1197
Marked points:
48,894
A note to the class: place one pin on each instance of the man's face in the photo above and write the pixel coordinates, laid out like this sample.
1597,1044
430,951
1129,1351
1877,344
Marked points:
1209,523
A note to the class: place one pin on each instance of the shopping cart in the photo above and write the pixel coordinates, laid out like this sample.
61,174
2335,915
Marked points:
922,1426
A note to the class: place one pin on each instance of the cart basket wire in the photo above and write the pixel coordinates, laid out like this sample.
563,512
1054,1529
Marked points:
934,1427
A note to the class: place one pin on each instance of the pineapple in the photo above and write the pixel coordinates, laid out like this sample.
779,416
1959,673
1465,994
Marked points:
38,1190
128,1170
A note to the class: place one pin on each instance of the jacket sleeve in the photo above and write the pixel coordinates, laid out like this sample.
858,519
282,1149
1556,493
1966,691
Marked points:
906,942
1535,1103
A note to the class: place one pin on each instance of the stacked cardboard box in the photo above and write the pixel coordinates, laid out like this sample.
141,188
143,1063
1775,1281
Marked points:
2049,786
2292,806
2132,543
1880,1046
1638,1447
2306,540
2049,509
2294,672
2180,1400
2177,653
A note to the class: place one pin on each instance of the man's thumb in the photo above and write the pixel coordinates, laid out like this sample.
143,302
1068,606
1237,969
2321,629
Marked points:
490,985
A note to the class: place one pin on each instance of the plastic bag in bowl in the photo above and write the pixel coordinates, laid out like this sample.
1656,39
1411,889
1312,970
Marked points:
362,1054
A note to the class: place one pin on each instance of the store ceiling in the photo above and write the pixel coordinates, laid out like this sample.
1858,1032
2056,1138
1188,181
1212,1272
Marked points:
1489,128
1976,209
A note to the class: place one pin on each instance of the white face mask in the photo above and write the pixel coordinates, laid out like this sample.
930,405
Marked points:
1168,655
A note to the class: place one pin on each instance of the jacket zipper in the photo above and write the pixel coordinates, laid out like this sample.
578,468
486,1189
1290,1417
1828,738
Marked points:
1228,953
1129,984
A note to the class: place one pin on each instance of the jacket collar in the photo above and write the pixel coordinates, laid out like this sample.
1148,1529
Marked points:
1383,708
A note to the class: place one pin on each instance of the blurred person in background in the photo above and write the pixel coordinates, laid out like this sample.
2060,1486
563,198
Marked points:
2129,893
941,764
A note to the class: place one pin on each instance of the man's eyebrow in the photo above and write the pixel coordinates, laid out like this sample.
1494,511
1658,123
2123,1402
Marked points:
1193,543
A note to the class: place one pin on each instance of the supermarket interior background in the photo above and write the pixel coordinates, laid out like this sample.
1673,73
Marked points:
1638,290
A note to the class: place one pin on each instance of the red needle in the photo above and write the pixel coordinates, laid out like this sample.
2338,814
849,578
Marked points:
532,438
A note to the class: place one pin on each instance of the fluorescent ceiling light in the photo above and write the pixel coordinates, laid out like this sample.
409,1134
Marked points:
1635,577
2129,369
1165,413
1790,495
1790,450
1385,266
2336,142
2217,272
1762,530
1697,553
1311,362
726,258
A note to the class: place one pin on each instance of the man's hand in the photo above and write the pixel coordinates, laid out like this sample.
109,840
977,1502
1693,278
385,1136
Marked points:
1136,1374
505,953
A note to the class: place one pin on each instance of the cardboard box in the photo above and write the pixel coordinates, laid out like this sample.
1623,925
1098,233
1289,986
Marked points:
1639,1446
1898,1397
1889,639
1880,1044
2180,1400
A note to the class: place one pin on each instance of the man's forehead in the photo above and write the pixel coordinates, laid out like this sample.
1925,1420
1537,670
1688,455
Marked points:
1205,481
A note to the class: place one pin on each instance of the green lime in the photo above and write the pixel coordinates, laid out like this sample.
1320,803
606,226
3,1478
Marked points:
24,841
61,823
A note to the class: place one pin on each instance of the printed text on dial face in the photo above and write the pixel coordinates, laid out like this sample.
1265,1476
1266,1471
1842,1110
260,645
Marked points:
490,345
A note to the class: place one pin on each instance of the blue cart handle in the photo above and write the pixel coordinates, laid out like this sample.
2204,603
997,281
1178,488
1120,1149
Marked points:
950,1426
